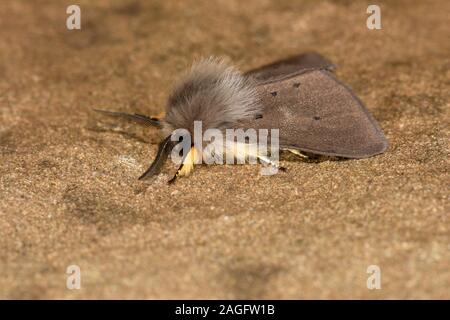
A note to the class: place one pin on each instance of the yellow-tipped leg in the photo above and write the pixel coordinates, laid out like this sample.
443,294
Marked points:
297,153
266,160
187,166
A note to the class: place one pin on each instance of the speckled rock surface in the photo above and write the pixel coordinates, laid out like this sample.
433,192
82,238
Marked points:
69,192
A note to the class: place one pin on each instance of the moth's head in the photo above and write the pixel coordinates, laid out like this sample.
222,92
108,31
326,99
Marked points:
212,92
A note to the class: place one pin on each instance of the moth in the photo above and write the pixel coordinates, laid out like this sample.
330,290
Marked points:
314,111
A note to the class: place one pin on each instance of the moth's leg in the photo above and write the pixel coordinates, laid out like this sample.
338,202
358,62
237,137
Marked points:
139,118
297,152
176,174
268,161
163,152
186,167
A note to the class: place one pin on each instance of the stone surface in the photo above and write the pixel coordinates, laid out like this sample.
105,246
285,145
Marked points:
69,192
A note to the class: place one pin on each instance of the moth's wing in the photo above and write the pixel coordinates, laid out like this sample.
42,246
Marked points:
290,66
316,113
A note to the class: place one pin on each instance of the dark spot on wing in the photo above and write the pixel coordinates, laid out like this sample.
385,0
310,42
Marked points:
296,85
274,94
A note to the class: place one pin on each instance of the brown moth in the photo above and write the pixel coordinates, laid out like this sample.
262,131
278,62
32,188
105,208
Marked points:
314,111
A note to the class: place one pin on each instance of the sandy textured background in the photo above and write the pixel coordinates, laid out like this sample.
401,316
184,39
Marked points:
68,178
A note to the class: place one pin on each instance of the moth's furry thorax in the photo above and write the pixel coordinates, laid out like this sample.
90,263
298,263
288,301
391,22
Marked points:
212,92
